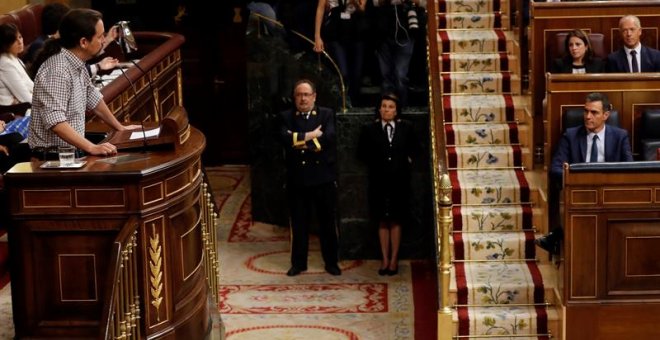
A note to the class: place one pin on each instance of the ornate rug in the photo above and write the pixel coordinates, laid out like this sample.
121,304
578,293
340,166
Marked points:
499,289
258,300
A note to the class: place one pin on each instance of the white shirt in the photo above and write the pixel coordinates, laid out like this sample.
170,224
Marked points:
15,84
393,124
600,143
638,49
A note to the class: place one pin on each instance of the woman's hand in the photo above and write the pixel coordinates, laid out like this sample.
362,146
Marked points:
318,45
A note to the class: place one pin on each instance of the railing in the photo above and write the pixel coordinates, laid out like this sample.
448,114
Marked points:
441,182
121,308
259,25
209,219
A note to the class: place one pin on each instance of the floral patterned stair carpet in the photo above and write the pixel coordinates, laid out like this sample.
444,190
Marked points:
498,288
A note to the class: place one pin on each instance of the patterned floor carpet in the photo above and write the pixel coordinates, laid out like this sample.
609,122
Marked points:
258,301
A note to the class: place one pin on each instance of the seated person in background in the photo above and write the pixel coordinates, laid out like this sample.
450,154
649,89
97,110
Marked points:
592,142
15,84
633,56
578,56
51,16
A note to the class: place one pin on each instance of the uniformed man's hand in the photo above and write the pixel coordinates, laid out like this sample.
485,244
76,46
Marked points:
317,132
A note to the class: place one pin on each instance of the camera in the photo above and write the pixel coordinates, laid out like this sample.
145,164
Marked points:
411,12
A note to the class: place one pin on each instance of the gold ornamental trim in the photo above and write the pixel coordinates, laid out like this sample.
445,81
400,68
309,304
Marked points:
156,269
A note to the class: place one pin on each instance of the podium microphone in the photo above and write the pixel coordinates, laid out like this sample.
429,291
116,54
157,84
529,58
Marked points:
151,88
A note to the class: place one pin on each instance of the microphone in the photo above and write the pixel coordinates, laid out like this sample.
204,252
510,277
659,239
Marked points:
121,69
151,88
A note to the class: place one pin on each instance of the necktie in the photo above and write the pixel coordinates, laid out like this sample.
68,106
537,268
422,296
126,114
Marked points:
633,61
389,130
593,158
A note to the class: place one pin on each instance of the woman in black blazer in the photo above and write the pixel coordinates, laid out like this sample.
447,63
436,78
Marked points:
388,145
578,56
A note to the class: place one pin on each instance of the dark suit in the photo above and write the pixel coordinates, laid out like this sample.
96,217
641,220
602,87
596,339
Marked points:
617,61
389,168
572,148
565,65
311,177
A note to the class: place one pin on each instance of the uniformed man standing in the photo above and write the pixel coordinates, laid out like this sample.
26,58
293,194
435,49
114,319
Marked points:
308,134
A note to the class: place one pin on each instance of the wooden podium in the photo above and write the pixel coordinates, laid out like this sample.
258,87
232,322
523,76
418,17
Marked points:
121,232
612,264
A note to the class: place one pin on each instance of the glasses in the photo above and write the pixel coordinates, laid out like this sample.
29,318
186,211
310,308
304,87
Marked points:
303,94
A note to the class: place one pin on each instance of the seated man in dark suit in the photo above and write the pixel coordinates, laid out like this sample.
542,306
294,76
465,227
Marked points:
594,141
633,56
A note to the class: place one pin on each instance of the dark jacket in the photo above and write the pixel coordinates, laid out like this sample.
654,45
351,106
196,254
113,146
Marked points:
313,162
572,148
618,61
565,65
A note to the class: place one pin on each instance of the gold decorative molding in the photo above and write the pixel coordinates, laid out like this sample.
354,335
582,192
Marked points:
156,270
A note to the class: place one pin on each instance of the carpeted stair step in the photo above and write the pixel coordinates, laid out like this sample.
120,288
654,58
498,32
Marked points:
480,83
489,187
471,6
494,246
475,41
485,156
477,62
463,20
515,322
496,108
481,134
488,134
498,283
492,218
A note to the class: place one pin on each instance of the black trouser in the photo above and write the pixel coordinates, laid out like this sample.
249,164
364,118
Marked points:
302,201
18,152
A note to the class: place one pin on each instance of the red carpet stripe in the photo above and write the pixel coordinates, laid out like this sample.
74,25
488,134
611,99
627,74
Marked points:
444,41
457,218
459,248
539,289
501,40
455,186
445,63
513,133
524,186
530,246
446,107
463,321
452,156
506,82
527,217
510,114
425,296
504,61
442,21
449,135
542,322
461,283
498,22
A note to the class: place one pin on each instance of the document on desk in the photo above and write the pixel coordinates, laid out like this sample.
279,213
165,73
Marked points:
144,134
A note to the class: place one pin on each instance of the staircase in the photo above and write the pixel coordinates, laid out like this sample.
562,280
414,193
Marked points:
499,289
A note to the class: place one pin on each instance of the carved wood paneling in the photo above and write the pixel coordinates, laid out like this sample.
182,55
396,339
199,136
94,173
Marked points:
584,256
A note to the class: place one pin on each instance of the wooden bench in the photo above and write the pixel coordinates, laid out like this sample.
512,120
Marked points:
548,19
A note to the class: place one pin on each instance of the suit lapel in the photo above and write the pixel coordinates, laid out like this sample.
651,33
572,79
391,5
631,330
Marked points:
582,137
609,146
623,59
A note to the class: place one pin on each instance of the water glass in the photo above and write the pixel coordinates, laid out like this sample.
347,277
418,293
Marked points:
67,155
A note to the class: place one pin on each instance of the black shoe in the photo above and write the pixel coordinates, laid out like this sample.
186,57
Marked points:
383,272
333,270
293,271
392,272
549,243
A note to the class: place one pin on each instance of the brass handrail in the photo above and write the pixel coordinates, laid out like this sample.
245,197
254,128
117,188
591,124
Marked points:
334,65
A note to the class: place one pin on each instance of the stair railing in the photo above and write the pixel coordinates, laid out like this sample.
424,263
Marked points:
121,305
441,183
342,87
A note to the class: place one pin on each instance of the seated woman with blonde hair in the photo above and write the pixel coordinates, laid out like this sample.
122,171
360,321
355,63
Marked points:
579,56
15,83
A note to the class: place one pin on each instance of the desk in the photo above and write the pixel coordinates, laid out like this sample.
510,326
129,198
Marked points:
63,226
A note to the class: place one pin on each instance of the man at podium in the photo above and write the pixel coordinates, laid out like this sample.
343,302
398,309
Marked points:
63,91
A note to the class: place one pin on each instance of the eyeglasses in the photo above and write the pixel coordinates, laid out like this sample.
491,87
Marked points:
303,94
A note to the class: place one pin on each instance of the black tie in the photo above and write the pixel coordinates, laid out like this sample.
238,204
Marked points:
593,158
633,61
389,130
